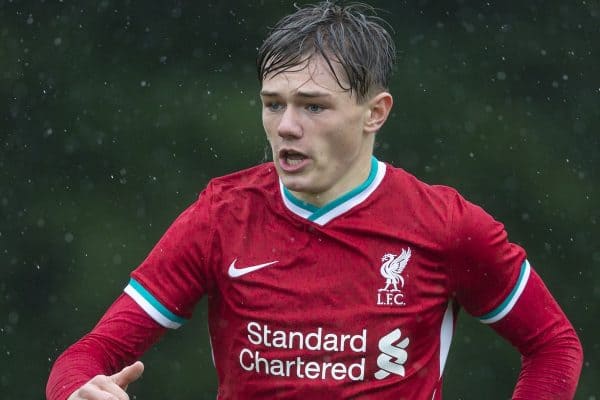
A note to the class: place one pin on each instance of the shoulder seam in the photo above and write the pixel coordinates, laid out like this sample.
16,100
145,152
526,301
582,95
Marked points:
451,244
209,239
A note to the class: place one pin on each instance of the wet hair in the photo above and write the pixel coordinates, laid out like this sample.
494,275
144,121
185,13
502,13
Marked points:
351,36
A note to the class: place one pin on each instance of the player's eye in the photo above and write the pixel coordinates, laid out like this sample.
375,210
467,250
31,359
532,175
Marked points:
315,108
274,106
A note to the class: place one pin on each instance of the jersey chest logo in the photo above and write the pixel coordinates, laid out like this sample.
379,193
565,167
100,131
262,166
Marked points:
235,272
391,270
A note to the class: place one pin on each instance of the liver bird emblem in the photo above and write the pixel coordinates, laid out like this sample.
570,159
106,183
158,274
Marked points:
392,268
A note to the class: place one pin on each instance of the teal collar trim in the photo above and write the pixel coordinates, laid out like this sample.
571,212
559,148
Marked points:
322,215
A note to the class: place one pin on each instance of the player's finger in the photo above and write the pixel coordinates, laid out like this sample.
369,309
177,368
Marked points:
114,390
128,374
93,392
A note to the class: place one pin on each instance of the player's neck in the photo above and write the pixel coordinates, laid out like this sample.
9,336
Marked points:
354,179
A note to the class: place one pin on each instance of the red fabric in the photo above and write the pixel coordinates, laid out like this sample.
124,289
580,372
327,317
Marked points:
177,272
484,265
456,250
551,352
123,334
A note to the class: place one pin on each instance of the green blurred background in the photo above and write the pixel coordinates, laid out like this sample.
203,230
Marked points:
114,115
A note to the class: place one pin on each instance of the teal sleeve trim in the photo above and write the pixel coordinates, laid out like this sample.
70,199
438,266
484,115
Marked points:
155,303
504,308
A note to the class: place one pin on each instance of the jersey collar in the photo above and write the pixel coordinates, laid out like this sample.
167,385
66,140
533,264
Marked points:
335,208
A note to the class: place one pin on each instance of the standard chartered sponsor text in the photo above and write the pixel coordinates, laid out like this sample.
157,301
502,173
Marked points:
262,336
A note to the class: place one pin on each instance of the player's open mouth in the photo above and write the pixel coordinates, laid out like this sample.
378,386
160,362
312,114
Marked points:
291,160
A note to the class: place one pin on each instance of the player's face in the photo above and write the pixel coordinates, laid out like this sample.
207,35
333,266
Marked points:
317,132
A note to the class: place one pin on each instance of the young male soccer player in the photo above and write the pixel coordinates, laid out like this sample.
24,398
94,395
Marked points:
329,274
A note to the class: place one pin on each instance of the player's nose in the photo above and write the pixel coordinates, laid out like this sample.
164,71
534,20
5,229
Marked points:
289,125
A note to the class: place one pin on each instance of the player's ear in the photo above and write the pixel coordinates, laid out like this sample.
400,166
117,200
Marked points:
379,107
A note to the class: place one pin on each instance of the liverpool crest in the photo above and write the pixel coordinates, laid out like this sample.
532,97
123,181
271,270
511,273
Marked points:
391,269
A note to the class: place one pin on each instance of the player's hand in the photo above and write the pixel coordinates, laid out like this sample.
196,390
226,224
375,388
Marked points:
113,387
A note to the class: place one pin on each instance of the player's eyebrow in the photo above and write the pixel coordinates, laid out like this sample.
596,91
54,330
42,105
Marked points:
266,93
307,94
311,94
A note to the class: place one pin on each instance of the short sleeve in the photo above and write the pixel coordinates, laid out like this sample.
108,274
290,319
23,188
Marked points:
174,276
488,273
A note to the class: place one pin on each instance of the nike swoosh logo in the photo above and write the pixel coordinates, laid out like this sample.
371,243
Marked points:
237,272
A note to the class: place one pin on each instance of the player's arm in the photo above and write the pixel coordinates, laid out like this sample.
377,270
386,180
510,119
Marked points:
551,353
93,367
492,279
161,294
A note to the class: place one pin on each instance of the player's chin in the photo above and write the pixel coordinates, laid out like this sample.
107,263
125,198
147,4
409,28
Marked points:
296,182
292,183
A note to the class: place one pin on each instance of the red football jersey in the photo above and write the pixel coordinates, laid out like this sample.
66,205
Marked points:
354,299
